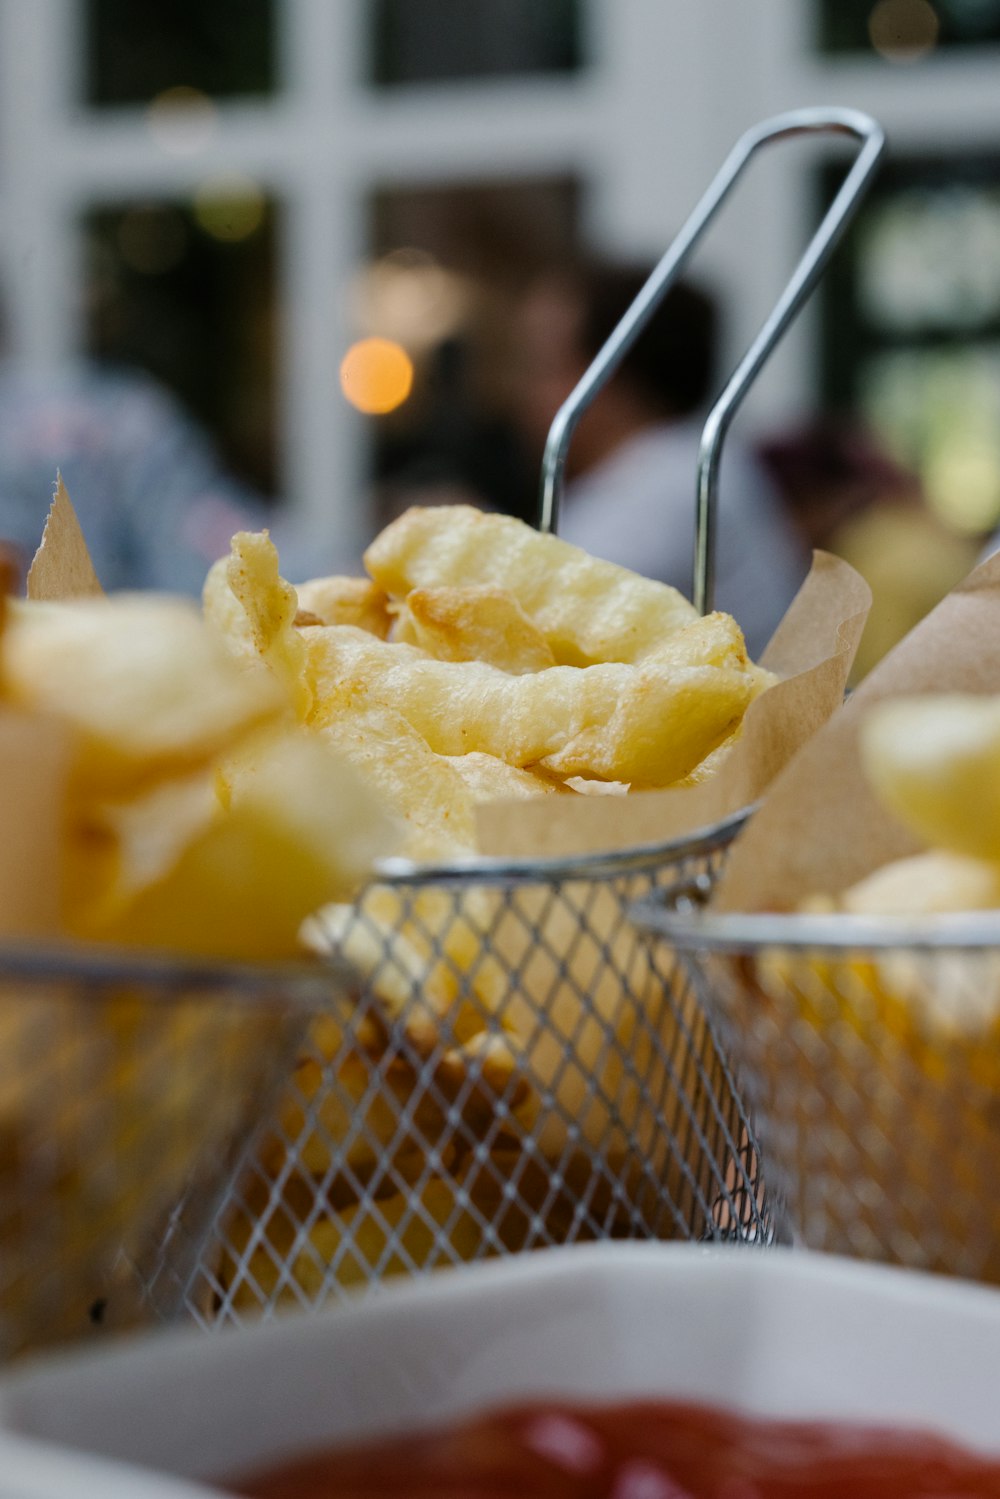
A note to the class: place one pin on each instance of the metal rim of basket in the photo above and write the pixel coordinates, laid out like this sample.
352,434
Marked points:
636,859
746,933
98,965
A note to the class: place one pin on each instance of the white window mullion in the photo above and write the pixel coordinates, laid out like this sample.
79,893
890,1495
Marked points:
476,131
323,455
42,270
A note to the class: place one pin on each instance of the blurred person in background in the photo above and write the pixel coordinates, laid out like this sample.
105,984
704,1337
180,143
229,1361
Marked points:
846,495
632,465
458,451
154,501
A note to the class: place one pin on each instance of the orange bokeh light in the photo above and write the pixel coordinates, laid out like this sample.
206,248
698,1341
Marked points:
376,375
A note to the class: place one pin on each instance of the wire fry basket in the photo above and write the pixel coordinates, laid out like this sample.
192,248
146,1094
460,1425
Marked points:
518,1067
516,1070
868,1052
126,1081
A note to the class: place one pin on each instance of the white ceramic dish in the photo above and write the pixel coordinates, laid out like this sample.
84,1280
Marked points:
773,1332
35,1470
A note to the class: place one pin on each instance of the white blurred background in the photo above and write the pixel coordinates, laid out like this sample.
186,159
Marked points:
234,194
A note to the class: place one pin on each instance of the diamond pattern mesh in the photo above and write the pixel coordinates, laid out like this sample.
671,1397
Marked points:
519,1067
874,1079
117,1096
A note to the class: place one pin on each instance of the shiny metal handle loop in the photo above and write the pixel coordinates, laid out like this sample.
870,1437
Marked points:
813,121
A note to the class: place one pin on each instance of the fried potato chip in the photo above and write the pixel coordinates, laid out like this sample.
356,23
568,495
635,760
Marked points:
596,788
709,767
147,689
935,763
347,601
648,725
473,624
116,849
226,616
422,788
302,830
589,611
936,881
489,779
270,606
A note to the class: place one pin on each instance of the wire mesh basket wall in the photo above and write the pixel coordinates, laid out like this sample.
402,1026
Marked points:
126,1082
869,1055
518,1068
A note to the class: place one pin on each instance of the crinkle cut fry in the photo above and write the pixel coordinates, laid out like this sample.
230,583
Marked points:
588,610
346,601
648,724
480,623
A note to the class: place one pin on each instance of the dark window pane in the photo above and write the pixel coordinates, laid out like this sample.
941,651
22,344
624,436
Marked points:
187,292
419,41
136,51
449,266
886,25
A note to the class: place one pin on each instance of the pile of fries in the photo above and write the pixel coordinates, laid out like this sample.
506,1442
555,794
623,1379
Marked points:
479,661
482,661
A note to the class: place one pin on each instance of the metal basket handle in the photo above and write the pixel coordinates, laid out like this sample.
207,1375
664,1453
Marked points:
814,121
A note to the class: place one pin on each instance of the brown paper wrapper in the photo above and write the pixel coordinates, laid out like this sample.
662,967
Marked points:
821,827
34,756
62,568
812,651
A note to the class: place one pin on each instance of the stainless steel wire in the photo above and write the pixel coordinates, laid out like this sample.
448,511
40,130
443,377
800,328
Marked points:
812,121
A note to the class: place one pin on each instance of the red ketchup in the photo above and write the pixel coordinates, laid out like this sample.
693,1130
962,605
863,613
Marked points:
647,1450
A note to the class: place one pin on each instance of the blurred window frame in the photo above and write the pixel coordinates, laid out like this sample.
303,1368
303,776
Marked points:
640,127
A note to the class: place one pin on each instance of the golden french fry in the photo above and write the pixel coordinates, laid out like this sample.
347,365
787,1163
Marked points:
353,1116
420,1223
589,611
473,624
648,725
423,958
347,601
